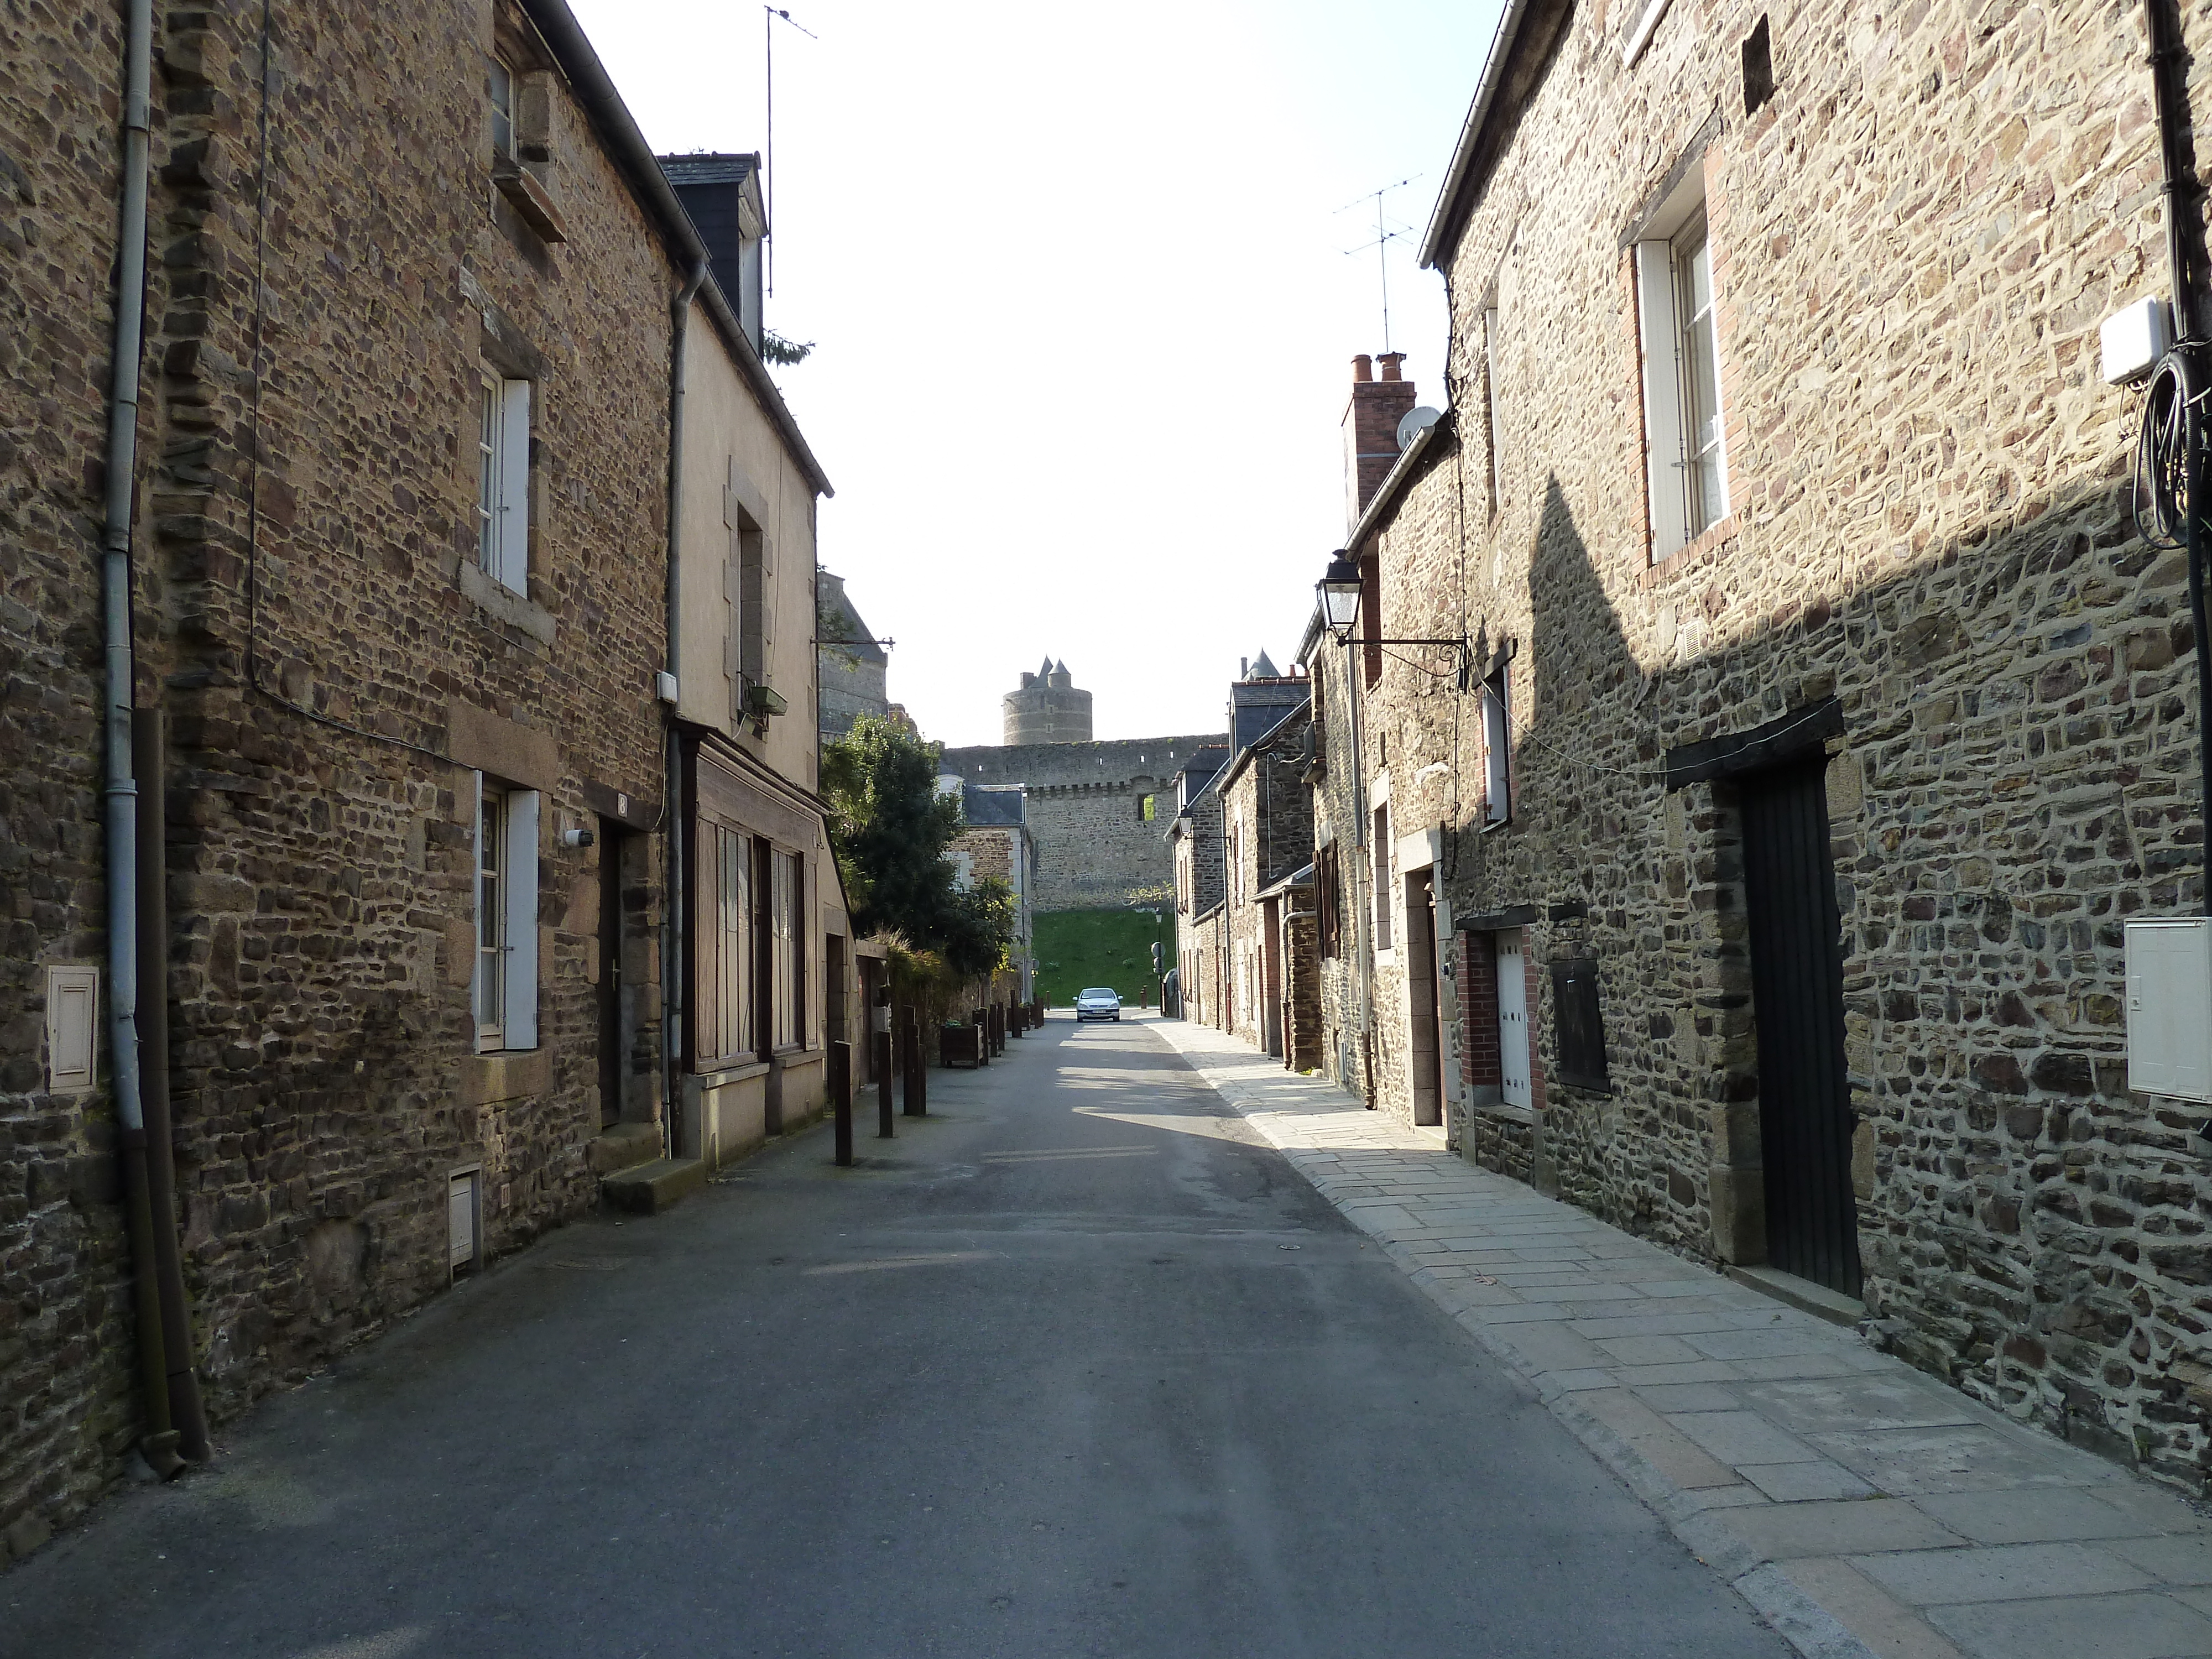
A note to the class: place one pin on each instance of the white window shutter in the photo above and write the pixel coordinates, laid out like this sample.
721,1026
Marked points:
1497,734
476,904
521,1011
514,486
1662,397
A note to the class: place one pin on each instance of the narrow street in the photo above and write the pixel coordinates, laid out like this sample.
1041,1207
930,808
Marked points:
1074,1366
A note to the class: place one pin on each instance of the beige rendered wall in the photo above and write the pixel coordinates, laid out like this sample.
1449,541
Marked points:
736,463
734,458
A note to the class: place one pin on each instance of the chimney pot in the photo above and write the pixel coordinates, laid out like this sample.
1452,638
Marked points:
1390,360
1362,369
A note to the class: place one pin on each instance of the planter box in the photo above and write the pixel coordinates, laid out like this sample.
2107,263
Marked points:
960,1045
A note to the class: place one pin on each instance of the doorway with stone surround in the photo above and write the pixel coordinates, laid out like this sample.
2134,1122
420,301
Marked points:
1805,1118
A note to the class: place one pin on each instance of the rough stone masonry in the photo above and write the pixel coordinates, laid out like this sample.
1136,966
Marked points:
1926,583
334,275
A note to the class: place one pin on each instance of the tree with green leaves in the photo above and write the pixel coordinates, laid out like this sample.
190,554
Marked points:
890,830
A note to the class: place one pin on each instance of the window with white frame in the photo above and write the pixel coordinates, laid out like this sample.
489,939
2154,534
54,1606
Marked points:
505,989
786,949
499,95
503,481
1497,747
1382,882
1683,421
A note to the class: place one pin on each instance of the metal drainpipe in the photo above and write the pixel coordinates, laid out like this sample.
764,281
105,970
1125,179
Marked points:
671,925
2170,97
120,788
1364,878
186,1413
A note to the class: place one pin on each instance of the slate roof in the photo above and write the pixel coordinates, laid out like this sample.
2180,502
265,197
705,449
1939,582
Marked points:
988,808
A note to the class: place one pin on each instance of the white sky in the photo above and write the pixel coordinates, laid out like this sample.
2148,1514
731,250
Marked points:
1082,312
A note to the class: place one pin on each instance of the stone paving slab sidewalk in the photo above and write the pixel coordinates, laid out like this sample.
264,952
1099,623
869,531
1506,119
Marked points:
1862,1506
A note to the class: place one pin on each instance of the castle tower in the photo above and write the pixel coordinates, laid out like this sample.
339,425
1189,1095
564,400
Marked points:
1046,709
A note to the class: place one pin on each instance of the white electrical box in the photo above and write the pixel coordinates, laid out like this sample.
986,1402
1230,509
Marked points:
2133,340
72,1027
2170,1007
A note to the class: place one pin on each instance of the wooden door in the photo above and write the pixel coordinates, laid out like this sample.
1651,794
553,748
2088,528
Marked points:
1512,1020
1805,1120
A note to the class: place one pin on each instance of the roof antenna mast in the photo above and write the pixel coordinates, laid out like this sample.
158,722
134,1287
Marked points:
1385,233
769,15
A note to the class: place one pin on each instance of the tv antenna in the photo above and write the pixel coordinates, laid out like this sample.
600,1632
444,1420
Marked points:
768,15
1385,233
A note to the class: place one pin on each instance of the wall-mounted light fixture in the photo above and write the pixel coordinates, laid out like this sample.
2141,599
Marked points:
1339,591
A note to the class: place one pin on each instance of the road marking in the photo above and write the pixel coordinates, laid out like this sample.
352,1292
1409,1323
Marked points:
1086,1152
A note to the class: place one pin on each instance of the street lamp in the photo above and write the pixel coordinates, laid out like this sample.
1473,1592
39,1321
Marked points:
1340,596
1338,591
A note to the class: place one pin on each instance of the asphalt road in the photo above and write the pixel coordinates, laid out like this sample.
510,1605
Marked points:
1073,1367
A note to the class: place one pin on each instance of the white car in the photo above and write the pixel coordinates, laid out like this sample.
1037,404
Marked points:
1099,1002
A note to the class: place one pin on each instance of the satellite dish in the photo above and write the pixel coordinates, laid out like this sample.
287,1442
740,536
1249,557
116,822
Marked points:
1416,421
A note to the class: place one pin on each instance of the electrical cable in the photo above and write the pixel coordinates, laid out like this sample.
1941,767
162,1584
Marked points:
2159,469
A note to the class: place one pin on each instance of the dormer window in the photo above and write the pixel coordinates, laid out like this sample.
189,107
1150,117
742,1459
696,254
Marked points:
499,87
518,106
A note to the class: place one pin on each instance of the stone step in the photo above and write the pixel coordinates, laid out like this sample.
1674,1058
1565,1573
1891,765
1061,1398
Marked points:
622,1144
648,1188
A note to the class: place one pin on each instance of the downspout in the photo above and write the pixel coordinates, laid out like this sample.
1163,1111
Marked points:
673,919
120,787
2170,99
1363,878
187,1414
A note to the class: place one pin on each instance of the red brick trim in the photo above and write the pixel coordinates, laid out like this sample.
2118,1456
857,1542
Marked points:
1478,1007
1702,550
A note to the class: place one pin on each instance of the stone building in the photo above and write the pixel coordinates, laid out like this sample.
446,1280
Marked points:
764,947
1266,830
853,667
1094,809
996,844
1047,708
1199,880
1824,713
1241,845
399,584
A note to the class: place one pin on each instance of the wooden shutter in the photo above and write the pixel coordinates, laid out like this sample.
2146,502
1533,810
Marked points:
514,486
520,1013
1666,479
1497,741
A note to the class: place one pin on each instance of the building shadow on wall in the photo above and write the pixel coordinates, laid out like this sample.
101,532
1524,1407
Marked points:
2015,775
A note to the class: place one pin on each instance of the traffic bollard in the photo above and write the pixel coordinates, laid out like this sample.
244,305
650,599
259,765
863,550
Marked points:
981,1017
879,1056
840,1099
920,1081
884,1130
909,1037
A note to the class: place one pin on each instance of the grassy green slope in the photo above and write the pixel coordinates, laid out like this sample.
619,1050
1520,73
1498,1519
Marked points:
1075,948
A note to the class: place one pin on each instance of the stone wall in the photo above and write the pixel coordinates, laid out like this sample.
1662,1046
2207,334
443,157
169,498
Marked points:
1049,710
1336,789
1913,243
66,1407
334,670
1303,1033
1096,848
851,669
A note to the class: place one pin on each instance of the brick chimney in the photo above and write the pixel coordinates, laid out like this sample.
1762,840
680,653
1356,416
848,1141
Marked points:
1370,428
